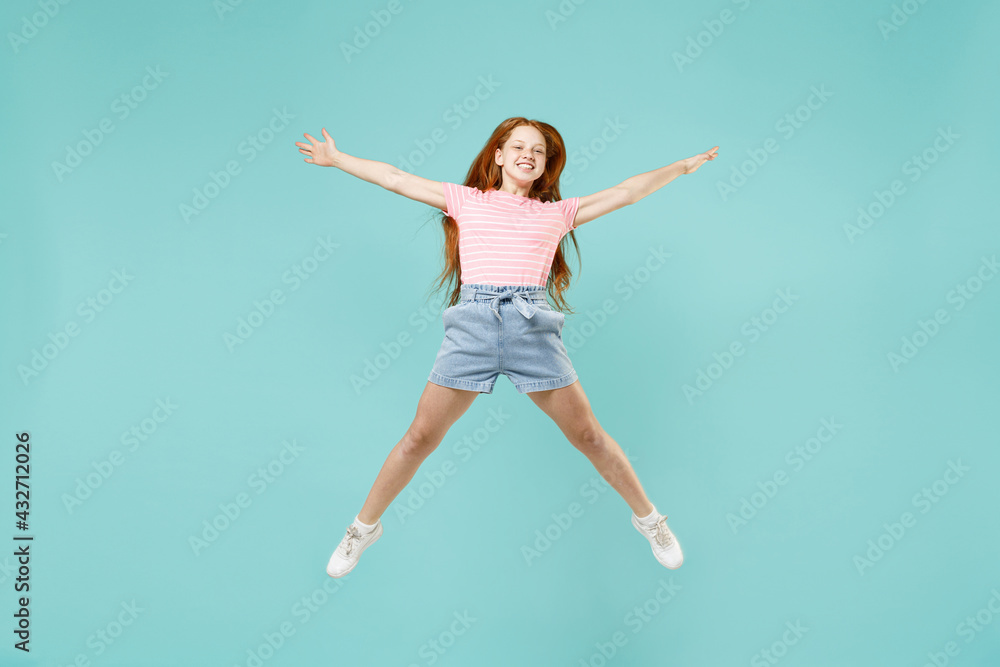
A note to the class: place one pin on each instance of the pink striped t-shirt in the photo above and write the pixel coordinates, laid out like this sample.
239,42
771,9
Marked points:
507,239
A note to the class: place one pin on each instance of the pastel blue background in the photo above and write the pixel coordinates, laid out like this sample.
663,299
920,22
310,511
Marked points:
698,457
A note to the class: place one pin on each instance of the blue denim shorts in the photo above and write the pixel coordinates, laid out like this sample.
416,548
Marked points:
507,329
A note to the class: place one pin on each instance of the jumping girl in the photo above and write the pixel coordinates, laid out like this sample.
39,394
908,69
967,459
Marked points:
504,236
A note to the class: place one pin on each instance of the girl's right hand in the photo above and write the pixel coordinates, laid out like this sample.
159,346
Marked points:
692,163
323,153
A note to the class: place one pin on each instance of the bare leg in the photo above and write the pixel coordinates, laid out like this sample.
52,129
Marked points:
570,410
439,407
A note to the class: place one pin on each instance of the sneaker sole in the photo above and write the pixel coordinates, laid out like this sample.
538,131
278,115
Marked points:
378,534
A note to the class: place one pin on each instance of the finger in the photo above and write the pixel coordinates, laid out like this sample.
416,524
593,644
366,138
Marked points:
326,134
310,138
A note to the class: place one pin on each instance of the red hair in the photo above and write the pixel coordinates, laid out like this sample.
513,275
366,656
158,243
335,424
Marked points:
485,174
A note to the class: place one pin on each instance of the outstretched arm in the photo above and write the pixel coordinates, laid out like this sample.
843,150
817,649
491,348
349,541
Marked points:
635,188
325,154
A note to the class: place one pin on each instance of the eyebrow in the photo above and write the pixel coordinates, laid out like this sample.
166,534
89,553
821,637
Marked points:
524,142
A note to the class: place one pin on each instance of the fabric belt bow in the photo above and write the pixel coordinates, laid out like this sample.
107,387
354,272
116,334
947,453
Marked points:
524,306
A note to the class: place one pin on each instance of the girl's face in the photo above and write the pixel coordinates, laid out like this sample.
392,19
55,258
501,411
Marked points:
523,156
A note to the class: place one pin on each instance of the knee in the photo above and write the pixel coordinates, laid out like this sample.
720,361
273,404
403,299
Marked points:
419,441
592,438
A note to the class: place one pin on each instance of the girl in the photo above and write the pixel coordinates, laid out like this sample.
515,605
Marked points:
504,231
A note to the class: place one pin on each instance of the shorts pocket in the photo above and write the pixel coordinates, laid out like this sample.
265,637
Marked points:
450,309
551,319
560,321
544,305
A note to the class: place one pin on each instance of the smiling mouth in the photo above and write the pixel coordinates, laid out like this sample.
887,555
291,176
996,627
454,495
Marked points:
525,164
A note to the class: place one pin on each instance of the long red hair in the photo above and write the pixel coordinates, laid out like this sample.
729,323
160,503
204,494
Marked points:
485,174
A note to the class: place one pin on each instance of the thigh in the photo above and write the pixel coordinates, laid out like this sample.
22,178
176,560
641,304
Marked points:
570,409
439,407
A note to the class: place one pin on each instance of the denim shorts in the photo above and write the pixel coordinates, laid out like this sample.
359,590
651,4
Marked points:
508,329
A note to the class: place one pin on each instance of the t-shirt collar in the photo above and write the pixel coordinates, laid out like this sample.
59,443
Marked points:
522,201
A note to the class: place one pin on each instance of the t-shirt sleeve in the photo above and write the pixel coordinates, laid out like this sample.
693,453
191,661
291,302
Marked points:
568,208
455,196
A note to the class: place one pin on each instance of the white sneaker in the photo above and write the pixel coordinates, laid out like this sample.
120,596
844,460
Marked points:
665,546
347,553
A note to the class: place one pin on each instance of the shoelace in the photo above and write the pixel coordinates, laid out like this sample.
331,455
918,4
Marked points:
352,537
663,535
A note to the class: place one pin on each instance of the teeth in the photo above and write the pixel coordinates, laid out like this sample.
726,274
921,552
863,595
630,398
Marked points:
525,167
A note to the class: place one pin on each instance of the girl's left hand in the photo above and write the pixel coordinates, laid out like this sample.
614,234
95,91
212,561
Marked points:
692,163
